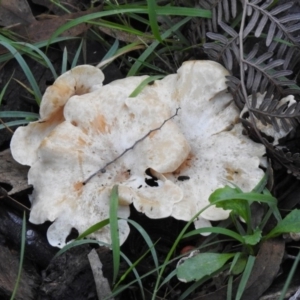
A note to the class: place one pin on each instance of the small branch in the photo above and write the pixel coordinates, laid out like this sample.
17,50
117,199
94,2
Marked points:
103,170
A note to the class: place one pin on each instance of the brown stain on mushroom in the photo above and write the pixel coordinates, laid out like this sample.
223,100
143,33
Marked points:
59,93
185,165
122,176
55,118
78,187
81,141
152,134
100,125
231,173
81,89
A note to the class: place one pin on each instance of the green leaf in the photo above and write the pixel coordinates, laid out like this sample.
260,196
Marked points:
144,83
254,238
239,266
93,229
153,19
237,206
201,265
291,223
26,70
18,114
114,230
217,230
220,194
245,277
229,193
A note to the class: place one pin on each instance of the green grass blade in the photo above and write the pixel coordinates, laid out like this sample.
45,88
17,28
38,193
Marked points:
168,278
64,63
44,57
78,243
122,51
178,11
229,288
76,57
112,51
26,70
245,277
290,277
114,231
14,123
147,239
153,19
18,114
217,230
172,250
24,49
23,239
4,89
92,229
143,84
168,10
150,66
138,64
136,274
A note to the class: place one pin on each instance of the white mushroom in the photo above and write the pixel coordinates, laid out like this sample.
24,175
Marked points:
209,120
167,170
97,127
80,80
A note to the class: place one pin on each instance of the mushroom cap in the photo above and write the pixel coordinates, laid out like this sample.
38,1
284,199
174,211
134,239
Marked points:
165,168
97,127
80,80
209,120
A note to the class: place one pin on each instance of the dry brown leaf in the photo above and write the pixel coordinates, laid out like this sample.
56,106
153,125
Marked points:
12,173
71,5
42,30
265,270
15,12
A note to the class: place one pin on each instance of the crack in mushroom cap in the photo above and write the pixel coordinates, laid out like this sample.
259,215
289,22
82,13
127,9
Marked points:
94,132
80,80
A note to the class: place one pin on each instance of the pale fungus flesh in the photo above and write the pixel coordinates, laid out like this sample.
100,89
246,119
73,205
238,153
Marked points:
167,149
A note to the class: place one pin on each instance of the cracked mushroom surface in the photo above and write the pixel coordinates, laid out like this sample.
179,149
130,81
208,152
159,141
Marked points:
95,129
170,172
209,120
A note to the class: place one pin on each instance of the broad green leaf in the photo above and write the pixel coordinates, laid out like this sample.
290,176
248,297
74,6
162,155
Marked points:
254,238
291,223
239,266
229,193
237,206
224,193
201,265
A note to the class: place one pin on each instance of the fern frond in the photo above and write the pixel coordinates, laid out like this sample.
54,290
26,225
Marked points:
260,17
280,114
